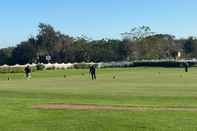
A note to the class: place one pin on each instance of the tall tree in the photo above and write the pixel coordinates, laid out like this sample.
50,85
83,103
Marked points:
138,33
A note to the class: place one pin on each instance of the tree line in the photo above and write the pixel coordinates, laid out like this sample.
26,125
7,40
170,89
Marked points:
137,44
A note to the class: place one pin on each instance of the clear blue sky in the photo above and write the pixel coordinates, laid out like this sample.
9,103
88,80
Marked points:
95,18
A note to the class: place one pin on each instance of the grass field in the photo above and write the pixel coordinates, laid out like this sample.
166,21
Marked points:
136,87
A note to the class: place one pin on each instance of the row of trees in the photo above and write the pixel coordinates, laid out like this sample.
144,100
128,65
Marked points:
139,43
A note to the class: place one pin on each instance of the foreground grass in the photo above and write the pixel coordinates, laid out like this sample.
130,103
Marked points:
155,87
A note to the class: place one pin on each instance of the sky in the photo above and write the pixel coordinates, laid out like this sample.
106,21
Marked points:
96,19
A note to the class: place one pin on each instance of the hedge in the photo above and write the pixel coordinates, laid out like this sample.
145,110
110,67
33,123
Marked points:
162,63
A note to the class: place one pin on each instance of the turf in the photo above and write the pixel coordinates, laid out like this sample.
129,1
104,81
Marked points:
144,87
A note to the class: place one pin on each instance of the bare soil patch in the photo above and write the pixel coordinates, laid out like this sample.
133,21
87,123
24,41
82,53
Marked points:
110,107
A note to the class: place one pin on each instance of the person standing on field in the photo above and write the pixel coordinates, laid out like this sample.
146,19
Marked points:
93,72
27,72
186,65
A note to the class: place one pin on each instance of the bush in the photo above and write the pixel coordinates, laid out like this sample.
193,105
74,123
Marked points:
40,67
161,63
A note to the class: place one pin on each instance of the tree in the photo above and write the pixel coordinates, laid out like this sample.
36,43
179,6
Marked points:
137,33
24,53
190,47
139,43
46,38
6,56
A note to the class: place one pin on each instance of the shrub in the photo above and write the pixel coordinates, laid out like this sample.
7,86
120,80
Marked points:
40,67
161,63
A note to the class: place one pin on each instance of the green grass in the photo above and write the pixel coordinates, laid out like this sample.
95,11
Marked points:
152,87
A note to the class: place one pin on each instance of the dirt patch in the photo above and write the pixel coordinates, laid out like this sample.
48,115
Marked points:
110,107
